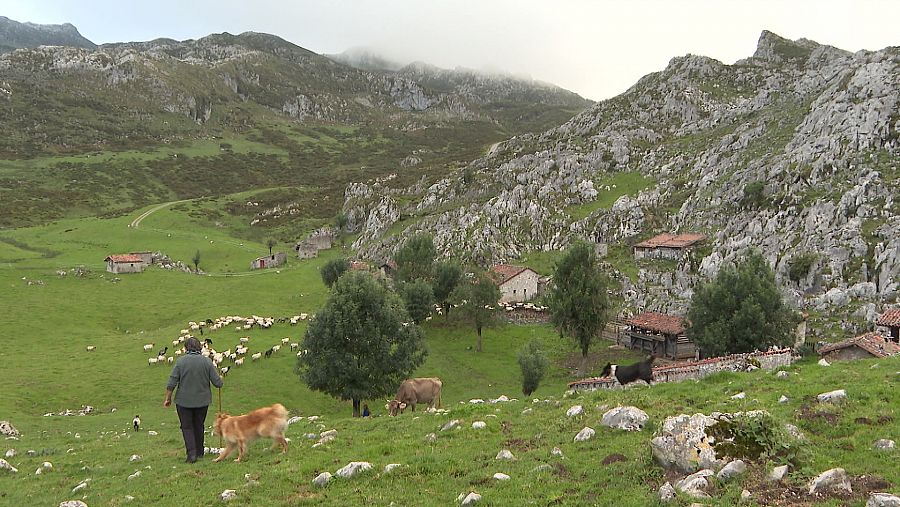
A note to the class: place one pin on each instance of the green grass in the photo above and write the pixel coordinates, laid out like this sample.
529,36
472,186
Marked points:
48,370
626,183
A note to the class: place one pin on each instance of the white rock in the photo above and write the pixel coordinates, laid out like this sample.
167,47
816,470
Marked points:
823,362
4,465
835,479
137,457
128,498
73,503
574,411
312,418
667,492
783,399
542,468
153,434
625,418
450,425
832,396
505,454
470,499
476,400
782,374
501,476
745,495
778,473
83,484
501,399
479,425
527,411
695,484
11,453
430,438
556,451
739,396
134,475
228,495
883,500
884,444
391,466
322,479
353,468
585,434
732,470
294,419
329,433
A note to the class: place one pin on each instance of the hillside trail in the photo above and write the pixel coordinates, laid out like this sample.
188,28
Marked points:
137,221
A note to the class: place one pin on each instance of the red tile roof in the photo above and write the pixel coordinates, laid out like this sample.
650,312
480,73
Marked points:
671,240
666,324
873,343
124,258
503,273
890,318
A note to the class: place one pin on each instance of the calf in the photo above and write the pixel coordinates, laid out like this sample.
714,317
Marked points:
642,370
414,391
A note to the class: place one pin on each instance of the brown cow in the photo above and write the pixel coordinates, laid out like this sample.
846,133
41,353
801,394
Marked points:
413,391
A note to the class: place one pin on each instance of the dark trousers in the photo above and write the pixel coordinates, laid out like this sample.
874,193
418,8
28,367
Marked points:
193,424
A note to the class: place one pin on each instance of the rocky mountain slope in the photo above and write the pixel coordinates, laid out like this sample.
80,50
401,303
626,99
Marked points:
792,151
15,35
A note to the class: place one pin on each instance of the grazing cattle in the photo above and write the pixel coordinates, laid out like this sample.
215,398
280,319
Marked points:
642,370
414,391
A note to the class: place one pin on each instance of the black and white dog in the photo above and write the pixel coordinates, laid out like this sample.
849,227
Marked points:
136,422
642,370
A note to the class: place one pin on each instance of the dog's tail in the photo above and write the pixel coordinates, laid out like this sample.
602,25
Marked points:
279,410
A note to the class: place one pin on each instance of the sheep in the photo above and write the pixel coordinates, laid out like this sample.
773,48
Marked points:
245,339
91,348
148,347
270,352
136,423
170,359
175,343
295,346
224,370
152,360
276,348
284,341
239,362
256,356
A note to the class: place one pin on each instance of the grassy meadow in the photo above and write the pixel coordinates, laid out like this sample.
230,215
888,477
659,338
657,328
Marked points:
51,319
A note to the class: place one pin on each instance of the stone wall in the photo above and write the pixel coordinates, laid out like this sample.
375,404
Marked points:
847,354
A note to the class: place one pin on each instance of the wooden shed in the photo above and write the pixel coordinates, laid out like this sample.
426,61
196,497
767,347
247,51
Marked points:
667,246
864,346
890,320
127,263
660,335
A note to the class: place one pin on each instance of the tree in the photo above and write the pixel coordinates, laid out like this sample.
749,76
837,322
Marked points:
741,310
333,269
196,261
479,299
447,276
533,364
415,259
419,298
361,344
579,304
340,225
271,244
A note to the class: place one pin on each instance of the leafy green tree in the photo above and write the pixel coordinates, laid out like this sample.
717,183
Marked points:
415,259
447,276
361,344
196,260
533,364
479,299
333,269
419,298
579,304
340,225
271,244
741,310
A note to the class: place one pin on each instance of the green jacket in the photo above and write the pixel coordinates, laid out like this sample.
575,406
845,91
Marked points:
192,374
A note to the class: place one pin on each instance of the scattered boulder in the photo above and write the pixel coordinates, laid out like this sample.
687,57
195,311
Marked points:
884,444
8,430
151,433
732,470
575,411
783,399
832,396
527,411
45,466
228,495
452,425
745,495
556,451
883,500
823,362
134,458
667,492
134,475
501,476
469,499
585,434
683,445
353,468
625,418
11,453
328,434
73,503
505,454
479,425
476,401
501,399
430,438
390,466
695,484
835,479
4,465
794,432
322,479
778,473
739,396
782,374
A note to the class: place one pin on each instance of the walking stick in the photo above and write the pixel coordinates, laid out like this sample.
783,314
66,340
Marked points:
220,411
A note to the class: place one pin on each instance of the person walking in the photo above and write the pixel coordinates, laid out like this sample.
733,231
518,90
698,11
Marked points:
192,375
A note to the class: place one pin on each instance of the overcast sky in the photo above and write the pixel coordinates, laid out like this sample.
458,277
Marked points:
596,48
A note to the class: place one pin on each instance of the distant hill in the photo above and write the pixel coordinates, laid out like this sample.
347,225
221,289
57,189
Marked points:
15,35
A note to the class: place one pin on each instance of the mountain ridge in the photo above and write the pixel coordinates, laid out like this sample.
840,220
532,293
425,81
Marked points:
15,35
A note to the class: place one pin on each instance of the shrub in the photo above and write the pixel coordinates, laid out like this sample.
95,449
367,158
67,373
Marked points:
754,195
533,364
418,297
333,269
800,265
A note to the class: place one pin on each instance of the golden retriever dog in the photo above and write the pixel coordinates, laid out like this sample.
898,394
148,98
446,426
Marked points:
239,431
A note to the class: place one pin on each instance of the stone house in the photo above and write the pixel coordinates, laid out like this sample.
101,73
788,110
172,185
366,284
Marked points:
659,335
127,263
865,346
306,250
667,246
516,283
320,239
146,256
269,261
890,321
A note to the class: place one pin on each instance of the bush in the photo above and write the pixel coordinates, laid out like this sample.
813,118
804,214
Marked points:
333,269
800,265
754,195
533,363
755,437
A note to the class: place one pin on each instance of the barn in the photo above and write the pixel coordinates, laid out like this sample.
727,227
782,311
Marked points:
667,246
269,261
660,335
517,283
864,346
890,320
127,263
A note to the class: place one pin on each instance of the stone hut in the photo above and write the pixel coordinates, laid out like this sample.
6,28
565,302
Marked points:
660,335
667,246
146,256
864,346
306,250
320,239
890,320
516,283
269,261
126,263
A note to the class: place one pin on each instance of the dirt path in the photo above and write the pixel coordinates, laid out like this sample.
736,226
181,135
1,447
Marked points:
137,221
